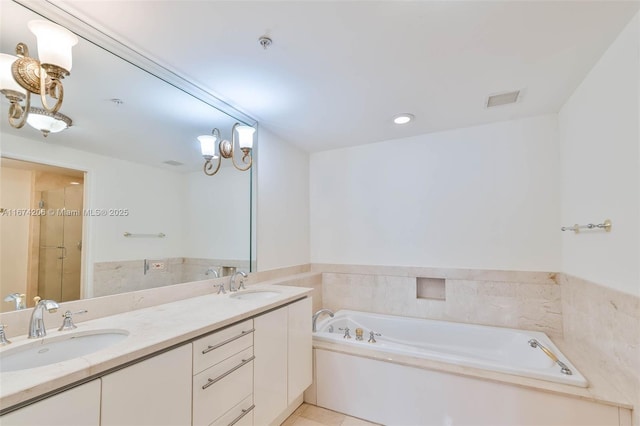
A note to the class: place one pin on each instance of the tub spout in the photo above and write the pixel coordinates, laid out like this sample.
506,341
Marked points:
316,315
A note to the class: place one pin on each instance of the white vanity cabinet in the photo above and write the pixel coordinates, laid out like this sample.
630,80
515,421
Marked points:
252,372
223,377
299,349
79,406
283,350
153,392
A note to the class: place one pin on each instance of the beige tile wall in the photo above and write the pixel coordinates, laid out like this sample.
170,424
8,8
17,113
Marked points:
527,300
606,324
120,277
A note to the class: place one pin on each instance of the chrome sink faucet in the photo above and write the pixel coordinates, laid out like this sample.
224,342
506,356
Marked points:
232,281
36,325
213,271
315,316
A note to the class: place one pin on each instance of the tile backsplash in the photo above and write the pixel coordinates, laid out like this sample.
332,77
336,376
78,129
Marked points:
605,323
527,300
125,276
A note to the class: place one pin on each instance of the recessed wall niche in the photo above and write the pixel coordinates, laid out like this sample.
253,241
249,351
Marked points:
430,288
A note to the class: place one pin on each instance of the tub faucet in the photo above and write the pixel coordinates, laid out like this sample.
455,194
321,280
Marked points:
36,325
213,271
315,316
232,281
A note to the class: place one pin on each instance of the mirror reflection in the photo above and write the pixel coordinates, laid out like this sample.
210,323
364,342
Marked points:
120,200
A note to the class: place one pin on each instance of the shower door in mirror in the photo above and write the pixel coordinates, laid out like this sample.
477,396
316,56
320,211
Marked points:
60,242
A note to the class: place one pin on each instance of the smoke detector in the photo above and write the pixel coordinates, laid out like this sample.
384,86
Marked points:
503,99
265,42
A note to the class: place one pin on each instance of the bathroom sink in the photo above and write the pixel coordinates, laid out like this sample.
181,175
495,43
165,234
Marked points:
255,295
45,351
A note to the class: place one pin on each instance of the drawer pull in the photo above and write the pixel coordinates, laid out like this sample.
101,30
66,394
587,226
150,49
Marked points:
244,333
222,376
245,411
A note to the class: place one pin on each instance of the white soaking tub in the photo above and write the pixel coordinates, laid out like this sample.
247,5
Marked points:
504,350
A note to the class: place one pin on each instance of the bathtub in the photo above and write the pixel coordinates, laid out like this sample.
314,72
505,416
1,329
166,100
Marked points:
498,349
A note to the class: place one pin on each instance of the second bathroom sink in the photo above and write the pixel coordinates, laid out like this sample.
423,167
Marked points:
255,295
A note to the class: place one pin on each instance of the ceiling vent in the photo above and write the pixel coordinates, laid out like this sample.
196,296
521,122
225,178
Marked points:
173,163
503,99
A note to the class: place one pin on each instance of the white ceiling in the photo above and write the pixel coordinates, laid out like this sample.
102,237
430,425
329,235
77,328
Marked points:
339,70
156,122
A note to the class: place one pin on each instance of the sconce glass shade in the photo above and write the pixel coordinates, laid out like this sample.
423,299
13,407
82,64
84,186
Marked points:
245,136
208,145
54,43
46,121
7,82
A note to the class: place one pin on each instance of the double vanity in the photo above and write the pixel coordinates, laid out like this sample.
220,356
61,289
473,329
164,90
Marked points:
237,359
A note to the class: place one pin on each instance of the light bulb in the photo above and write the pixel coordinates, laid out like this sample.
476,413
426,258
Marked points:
245,136
7,82
208,145
54,43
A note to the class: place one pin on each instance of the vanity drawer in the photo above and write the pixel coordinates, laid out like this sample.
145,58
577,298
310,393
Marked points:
240,415
218,389
216,347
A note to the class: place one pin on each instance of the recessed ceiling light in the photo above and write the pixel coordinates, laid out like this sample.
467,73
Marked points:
403,118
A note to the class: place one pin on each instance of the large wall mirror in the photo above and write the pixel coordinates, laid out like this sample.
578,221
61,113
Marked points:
117,202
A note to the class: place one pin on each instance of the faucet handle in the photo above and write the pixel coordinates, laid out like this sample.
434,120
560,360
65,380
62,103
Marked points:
67,322
372,338
221,289
346,333
241,286
3,337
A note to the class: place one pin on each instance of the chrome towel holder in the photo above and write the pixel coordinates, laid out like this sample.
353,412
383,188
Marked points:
606,225
158,235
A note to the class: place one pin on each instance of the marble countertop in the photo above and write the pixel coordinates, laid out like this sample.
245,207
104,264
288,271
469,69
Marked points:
150,330
599,389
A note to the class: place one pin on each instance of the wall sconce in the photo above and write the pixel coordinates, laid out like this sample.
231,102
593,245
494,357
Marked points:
214,147
22,75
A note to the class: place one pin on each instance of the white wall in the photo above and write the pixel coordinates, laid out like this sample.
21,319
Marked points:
15,193
600,158
154,197
219,214
283,203
481,197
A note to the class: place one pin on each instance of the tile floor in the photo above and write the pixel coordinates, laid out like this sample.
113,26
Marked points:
310,415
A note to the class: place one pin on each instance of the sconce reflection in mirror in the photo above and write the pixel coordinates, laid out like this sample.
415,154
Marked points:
214,148
22,75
